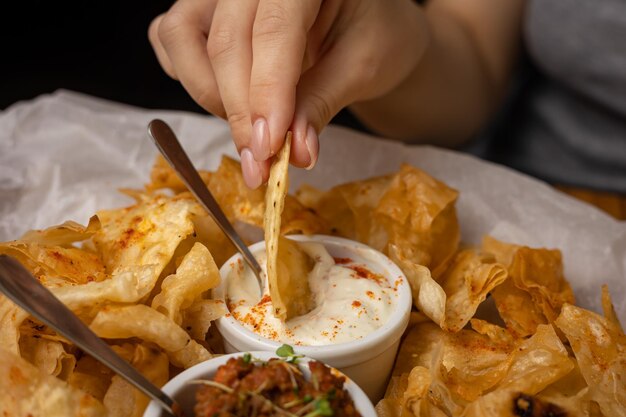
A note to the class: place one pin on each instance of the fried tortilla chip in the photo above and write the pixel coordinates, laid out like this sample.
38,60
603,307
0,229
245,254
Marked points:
503,251
238,201
198,317
394,403
91,376
124,400
418,347
428,296
48,355
447,372
293,267
361,198
210,235
572,394
492,331
121,322
540,273
529,365
609,311
517,310
149,325
125,286
333,207
600,350
56,266
471,364
144,234
288,266
419,383
567,396
162,176
417,210
64,234
409,210
196,274
452,301
11,318
28,391
240,204
537,362
466,283
192,354
536,288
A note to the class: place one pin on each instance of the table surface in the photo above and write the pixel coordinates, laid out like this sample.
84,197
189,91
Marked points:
614,204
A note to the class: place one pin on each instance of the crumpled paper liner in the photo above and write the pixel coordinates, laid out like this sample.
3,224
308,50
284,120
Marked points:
63,156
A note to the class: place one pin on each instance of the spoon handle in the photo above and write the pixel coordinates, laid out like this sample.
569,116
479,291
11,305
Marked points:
173,152
19,285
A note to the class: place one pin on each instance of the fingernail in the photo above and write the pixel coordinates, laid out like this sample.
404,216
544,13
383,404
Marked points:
250,169
313,145
260,140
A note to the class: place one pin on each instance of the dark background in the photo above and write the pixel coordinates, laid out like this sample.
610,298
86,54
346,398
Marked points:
99,48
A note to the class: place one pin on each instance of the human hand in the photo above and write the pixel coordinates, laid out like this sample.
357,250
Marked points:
268,66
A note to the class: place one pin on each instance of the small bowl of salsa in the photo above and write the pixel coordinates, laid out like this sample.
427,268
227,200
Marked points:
265,384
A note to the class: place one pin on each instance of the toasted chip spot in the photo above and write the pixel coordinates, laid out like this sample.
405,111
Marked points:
16,376
528,406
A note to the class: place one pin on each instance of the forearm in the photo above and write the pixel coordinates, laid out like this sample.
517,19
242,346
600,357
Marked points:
455,87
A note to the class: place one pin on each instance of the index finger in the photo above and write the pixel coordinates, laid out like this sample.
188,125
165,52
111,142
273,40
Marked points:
182,32
278,45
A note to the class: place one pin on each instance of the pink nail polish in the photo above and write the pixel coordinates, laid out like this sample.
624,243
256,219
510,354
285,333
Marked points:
260,140
250,169
313,145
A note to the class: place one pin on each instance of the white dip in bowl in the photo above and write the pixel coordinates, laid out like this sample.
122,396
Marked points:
363,303
351,301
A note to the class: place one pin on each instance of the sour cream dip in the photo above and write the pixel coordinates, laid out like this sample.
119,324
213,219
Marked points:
351,301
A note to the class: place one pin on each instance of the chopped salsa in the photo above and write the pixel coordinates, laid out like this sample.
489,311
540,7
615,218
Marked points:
245,386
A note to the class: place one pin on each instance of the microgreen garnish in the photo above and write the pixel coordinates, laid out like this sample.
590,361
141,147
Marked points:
287,352
247,357
322,408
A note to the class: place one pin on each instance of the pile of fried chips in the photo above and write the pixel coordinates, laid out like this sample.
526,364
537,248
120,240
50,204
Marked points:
141,277
538,355
573,367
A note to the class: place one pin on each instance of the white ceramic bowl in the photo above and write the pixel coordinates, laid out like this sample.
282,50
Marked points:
368,361
185,393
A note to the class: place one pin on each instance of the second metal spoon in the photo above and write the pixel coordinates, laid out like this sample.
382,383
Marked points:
171,149
20,286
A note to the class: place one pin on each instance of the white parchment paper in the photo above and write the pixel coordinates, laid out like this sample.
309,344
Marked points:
63,156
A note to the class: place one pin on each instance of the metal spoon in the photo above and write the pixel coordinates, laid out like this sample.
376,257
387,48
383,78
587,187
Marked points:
27,292
171,149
